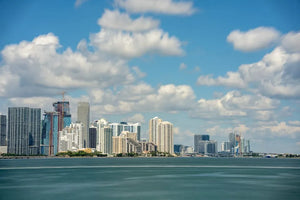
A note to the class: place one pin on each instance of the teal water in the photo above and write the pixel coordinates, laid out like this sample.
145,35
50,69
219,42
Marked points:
150,178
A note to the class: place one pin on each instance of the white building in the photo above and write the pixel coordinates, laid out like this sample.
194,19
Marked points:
153,129
124,126
161,134
71,138
104,137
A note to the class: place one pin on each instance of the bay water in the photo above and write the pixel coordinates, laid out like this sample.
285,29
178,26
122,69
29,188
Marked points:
149,178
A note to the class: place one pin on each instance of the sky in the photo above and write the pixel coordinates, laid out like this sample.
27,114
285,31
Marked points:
208,67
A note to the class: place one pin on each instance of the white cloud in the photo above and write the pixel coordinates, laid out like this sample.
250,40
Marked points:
232,105
157,6
136,44
122,21
282,129
276,75
137,118
33,68
143,98
138,72
182,66
232,79
291,42
295,123
254,39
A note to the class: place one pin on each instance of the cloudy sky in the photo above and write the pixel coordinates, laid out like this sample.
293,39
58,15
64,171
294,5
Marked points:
209,67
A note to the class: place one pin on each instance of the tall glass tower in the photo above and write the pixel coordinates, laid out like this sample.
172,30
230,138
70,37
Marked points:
83,116
2,130
54,122
24,130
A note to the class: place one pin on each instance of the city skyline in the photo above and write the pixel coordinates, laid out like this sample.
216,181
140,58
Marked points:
209,68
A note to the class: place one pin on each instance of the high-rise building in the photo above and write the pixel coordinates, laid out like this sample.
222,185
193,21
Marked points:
104,139
203,145
161,134
54,122
126,142
124,126
83,116
3,130
153,129
24,130
165,137
70,138
92,137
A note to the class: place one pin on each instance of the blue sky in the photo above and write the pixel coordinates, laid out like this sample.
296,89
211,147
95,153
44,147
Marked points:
209,67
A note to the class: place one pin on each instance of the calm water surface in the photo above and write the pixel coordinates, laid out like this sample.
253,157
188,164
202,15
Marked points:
150,178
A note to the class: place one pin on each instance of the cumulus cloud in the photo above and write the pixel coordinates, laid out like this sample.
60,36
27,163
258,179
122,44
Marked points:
122,21
254,39
143,98
169,7
291,42
233,104
136,44
276,75
33,68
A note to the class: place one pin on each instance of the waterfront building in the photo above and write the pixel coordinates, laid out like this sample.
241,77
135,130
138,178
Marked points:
24,130
165,137
178,148
153,129
71,137
54,122
203,145
124,126
126,142
83,116
92,137
147,147
3,130
161,134
104,139
225,146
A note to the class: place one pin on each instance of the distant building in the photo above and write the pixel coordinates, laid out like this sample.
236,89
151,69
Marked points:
92,137
54,122
225,147
3,130
104,139
126,142
83,116
178,148
161,134
71,137
125,126
237,145
24,130
203,145
153,130
147,147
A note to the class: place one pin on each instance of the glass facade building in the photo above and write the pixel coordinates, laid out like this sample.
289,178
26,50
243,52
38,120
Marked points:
3,130
24,130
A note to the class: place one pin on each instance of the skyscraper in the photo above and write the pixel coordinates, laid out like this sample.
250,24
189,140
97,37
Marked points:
70,138
203,145
3,130
53,123
104,139
124,126
24,130
153,129
165,137
200,142
83,116
92,137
